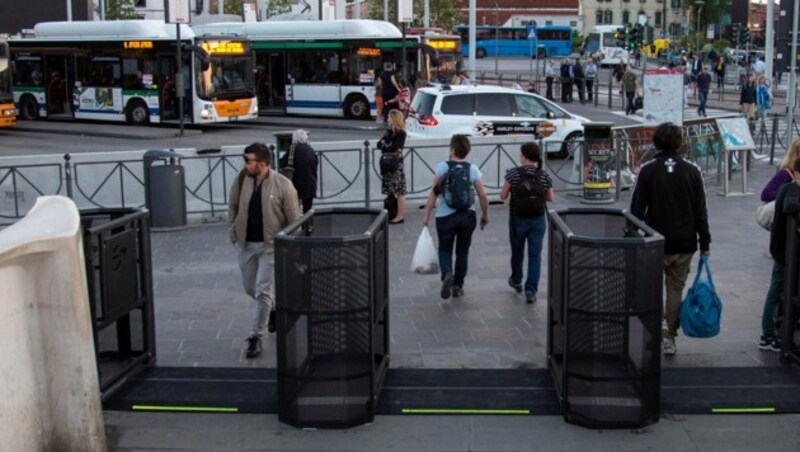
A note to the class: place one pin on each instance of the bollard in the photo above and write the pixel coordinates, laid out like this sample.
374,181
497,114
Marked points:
774,138
367,168
68,174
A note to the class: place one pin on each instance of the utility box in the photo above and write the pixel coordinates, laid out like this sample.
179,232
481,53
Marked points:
604,313
164,188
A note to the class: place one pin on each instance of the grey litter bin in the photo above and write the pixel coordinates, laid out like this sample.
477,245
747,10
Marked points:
164,189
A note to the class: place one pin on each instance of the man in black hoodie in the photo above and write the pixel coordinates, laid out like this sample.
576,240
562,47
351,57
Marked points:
669,197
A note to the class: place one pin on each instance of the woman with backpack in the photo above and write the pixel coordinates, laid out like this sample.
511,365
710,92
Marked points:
763,98
530,188
391,163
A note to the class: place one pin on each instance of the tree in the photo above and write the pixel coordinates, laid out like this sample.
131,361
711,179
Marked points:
276,7
443,13
120,9
233,7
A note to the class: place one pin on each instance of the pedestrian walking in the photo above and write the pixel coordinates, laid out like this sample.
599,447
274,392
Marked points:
455,184
389,87
566,80
763,98
703,90
261,203
530,188
669,197
549,75
304,162
787,202
591,75
628,85
747,98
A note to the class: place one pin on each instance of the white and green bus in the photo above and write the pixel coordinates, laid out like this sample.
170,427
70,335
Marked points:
328,68
128,71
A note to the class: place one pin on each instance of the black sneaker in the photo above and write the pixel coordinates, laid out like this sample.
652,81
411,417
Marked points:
770,343
457,292
530,297
516,286
271,322
253,347
447,286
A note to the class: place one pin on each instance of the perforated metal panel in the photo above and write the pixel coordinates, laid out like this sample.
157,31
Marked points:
332,317
604,317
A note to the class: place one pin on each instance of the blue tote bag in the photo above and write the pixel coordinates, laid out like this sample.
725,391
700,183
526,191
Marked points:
701,310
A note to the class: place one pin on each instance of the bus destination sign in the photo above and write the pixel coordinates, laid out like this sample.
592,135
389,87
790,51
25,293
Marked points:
223,47
135,45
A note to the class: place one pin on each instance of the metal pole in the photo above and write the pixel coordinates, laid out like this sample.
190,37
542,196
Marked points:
385,11
699,4
471,65
366,174
496,38
769,41
404,57
179,88
69,10
791,96
426,17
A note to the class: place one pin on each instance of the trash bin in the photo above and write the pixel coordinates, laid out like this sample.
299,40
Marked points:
164,190
116,246
332,313
604,315
283,142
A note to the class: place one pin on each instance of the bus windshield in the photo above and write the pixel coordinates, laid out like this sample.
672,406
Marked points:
5,75
593,42
227,77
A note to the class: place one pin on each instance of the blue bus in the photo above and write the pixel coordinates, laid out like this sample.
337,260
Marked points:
552,40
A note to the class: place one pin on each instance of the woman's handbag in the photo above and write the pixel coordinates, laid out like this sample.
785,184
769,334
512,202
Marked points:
389,163
764,215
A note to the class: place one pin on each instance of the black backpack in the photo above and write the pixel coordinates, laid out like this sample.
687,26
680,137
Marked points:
529,198
456,187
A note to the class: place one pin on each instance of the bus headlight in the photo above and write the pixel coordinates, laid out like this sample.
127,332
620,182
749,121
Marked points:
10,112
207,111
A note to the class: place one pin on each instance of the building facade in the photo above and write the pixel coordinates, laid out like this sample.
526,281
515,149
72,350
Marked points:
18,15
523,12
667,17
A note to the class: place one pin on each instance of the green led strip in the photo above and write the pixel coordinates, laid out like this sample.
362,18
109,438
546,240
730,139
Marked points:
743,410
460,411
184,408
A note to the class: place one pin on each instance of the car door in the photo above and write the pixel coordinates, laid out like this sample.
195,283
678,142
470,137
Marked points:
494,115
456,114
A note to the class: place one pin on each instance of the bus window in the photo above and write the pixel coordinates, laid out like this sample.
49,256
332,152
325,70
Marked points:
28,71
105,71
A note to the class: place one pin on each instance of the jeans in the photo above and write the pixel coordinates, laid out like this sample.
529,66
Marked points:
455,229
630,106
703,95
676,269
774,299
257,267
531,230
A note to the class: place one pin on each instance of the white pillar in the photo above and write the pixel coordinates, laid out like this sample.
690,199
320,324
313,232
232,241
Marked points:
69,10
769,38
471,64
426,18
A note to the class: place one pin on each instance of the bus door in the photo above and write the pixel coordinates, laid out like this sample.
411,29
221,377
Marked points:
271,82
56,84
167,94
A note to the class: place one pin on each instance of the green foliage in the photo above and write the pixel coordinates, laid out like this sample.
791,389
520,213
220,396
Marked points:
120,9
712,12
275,7
443,13
233,7
577,40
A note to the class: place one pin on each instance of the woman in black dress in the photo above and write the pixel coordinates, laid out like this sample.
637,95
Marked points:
394,182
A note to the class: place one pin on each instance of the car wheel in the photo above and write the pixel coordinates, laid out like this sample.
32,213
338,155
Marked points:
569,145
138,114
28,109
356,107
481,53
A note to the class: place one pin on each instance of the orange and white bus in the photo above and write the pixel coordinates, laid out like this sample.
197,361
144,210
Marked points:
127,70
8,115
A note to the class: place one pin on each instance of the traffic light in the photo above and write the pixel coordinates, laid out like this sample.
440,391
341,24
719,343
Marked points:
634,37
621,36
736,33
745,35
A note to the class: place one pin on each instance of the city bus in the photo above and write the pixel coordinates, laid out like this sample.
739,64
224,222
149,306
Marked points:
8,115
127,70
329,68
448,49
603,39
551,40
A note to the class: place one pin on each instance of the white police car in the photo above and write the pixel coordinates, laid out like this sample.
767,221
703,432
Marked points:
476,110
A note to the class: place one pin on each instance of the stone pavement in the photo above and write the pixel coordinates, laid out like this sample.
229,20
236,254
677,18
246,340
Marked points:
202,317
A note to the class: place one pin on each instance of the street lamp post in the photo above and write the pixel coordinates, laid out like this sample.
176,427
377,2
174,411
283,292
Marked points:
699,4
496,37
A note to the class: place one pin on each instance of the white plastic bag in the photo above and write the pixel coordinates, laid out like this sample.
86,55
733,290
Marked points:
426,258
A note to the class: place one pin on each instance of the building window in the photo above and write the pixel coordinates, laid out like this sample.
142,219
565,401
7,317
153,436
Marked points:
626,17
609,17
676,4
658,18
598,18
140,3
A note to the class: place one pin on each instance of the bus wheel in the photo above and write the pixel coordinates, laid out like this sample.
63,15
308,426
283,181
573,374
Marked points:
481,53
138,114
356,107
28,109
540,54
570,145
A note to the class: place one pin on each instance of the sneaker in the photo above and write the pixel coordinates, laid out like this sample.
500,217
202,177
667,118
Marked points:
457,292
447,286
770,343
271,322
253,347
530,297
668,346
516,286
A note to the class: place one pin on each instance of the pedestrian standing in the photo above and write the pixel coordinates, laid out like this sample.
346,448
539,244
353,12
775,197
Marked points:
747,98
703,90
261,203
763,98
566,81
455,184
304,163
669,197
591,75
393,180
628,85
578,78
549,75
530,188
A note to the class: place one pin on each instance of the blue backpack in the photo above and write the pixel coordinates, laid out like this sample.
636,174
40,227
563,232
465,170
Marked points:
701,309
457,188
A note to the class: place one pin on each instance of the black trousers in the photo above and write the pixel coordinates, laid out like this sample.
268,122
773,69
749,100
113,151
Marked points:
581,92
549,92
590,88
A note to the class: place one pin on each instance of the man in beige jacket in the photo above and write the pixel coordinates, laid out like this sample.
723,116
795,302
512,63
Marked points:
253,223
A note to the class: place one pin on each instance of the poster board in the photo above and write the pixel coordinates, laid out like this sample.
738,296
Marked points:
661,103
735,133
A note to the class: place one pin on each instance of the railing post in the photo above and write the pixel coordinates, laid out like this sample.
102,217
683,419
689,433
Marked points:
68,174
367,166
774,138
610,88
